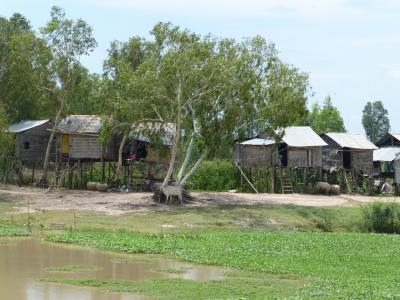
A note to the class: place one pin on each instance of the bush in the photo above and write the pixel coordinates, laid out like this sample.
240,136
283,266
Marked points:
216,176
382,218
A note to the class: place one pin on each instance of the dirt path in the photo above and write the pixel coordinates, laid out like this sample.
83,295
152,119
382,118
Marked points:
119,203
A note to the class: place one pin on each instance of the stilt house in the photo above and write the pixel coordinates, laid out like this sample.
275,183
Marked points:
350,151
31,139
143,144
300,147
389,150
78,138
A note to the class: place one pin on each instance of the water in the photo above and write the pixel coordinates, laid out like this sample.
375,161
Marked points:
24,261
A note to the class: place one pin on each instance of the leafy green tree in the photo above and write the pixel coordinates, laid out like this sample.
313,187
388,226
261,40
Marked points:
120,92
68,40
24,62
6,141
211,91
375,120
326,118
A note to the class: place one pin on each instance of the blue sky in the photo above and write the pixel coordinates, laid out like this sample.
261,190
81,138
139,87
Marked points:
349,48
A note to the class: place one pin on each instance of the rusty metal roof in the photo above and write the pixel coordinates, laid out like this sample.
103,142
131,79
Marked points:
26,125
352,141
80,124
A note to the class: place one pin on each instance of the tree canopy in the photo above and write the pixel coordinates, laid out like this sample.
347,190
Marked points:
326,118
211,91
375,120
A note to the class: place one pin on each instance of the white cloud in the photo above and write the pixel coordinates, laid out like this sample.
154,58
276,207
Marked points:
234,8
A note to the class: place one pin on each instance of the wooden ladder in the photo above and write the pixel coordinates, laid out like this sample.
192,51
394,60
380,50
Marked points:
286,183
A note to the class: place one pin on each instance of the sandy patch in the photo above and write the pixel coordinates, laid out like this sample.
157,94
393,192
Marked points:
118,203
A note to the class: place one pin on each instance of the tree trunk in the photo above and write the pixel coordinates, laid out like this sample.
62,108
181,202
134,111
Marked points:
175,145
53,133
186,161
121,148
194,168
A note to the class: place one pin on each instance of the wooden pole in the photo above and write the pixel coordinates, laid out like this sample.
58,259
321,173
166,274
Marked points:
33,172
305,185
244,175
273,179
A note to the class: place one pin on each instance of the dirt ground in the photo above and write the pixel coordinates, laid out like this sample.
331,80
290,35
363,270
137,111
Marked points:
118,203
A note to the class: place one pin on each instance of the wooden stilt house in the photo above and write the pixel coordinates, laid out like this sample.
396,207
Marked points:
78,138
353,152
389,150
31,139
300,147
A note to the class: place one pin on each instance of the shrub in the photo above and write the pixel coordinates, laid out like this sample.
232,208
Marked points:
382,218
216,176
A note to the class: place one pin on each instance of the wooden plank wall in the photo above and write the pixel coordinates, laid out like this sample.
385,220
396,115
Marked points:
84,147
362,161
37,138
305,157
250,156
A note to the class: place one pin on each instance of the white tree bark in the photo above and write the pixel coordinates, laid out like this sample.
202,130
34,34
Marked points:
53,133
175,145
121,148
194,168
186,161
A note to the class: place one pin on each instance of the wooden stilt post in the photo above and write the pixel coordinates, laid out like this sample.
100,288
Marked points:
103,170
33,172
273,177
305,184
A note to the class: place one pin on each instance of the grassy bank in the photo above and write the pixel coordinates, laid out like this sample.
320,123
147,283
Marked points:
237,218
334,264
272,251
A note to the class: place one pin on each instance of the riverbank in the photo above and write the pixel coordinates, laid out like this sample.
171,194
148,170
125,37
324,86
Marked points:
276,250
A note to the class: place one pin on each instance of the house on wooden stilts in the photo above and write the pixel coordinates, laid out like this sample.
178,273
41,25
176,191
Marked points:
299,148
31,139
353,154
78,138
384,157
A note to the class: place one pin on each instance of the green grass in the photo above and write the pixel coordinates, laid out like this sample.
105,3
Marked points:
74,268
257,217
165,289
336,264
6,231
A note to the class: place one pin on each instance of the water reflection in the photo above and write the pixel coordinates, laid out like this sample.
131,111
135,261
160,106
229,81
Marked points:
23,261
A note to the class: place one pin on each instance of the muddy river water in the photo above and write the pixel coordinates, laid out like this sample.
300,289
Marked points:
24,261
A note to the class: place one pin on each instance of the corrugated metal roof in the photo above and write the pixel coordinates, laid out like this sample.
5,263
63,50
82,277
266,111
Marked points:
396,136
386,153
302,136
295,136
258,142
143,131
26,125
80,124
353,141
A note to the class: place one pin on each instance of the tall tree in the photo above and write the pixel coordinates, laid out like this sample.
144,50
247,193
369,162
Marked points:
119,94
24,63
6,144
211,91
375,120
326,118
68,40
